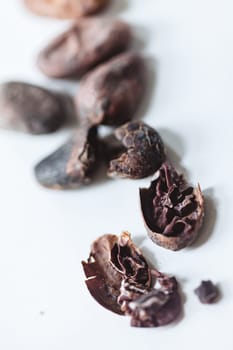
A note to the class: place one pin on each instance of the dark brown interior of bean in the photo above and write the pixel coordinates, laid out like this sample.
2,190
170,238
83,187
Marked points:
170,204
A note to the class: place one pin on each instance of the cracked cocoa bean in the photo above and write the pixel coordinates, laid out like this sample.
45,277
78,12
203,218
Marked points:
112,92
110,259
144,152
172,210
87,43
120,279
65,8
29,108
72,164
207,292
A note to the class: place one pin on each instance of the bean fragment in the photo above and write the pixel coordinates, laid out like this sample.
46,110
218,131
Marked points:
207,292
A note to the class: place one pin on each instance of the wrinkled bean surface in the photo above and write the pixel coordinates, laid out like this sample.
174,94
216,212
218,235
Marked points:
86,44
112,92
143,155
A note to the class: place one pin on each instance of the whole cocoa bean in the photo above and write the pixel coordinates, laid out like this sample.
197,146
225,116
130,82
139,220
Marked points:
83,46
29,108
111,93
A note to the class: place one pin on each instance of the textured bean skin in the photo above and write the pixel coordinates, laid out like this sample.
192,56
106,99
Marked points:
71,165
143,152
86,44
112,92
65,8
29,108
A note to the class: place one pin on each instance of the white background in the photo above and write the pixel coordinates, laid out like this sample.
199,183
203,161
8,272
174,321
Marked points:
44,304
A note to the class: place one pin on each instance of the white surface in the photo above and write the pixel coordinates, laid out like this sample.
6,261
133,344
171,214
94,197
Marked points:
44,234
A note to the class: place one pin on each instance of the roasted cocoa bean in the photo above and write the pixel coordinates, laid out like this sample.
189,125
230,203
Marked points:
29,108
143,155
86,44
112,92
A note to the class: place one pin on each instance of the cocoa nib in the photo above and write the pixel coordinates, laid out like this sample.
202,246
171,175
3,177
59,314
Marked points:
155,309
207,292
65,8
173,211
119,278
29,108
86,44
72,164
143,151
112,92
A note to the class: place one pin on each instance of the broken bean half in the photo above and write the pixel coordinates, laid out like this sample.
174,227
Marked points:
120,279
86,44
172,210
65,8
112,92
29,108
72,164
142,151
